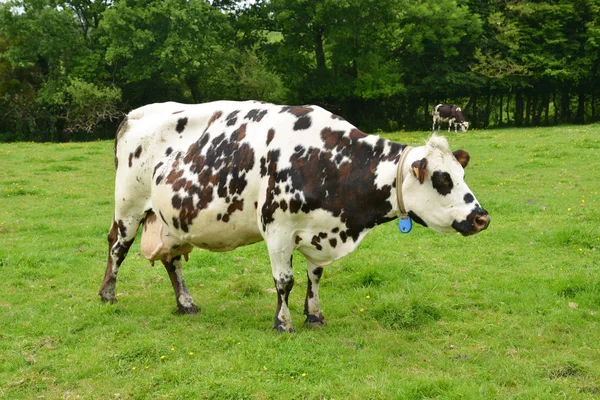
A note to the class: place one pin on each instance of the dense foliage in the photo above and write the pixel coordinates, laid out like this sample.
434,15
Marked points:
71,69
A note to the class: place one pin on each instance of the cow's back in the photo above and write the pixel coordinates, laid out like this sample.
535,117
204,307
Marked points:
212,176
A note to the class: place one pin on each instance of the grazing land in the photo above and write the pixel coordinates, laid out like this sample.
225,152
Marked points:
512,312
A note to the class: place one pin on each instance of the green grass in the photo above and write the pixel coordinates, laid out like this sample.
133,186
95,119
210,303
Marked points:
512,313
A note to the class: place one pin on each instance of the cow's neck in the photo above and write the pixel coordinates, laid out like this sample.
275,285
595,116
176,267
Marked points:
377,203
398,175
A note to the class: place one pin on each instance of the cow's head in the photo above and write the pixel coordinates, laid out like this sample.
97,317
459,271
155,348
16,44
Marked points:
435,193
463,126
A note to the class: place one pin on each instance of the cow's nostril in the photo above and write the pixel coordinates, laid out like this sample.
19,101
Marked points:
481,222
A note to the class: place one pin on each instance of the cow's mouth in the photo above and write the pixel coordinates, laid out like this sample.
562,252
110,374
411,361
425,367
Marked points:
477,221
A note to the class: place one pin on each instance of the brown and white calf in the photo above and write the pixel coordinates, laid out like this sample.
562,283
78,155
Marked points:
451,114
226,174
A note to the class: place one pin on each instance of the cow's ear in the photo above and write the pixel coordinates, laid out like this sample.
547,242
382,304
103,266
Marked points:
463,157
419,167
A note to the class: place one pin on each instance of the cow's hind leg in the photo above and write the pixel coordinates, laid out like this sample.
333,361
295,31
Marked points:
185,303
283,275
312,307
120,238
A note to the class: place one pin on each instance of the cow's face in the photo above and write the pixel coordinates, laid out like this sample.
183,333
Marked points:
436,195
463,126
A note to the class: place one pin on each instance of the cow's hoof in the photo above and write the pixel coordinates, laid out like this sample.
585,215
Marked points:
192,310
282,327
108,299
315,321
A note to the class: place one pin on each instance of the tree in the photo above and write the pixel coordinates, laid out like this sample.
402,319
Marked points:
177,42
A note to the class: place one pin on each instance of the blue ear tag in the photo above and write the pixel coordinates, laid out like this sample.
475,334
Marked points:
404,224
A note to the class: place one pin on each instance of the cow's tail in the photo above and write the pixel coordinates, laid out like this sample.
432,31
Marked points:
120,132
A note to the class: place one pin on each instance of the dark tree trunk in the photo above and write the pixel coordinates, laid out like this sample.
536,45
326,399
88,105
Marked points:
488,107
192,84
474,115
580,105
564,106
555,108
528,110
319,53
593,100
519,108
547,105
540,108
508,109
501,110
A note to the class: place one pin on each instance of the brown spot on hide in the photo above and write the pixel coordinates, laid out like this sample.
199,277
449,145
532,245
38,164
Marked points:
283,205
333,242
181,123
236,205
270,135
130,160
298,239
214,117
316,242
263,166
122,228
176,202
177,112
318,272
255,115
295,204
357,134
332,139
232,118
150,218
343,236
303,123
138,152
156,167
298,111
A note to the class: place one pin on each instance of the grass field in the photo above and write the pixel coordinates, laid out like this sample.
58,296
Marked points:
512,313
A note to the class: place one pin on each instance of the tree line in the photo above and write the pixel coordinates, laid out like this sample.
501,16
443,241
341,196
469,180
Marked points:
70,70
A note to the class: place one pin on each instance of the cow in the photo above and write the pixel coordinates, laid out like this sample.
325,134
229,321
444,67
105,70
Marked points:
451,114
226,174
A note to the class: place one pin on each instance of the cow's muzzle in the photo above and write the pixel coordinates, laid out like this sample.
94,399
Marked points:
477,221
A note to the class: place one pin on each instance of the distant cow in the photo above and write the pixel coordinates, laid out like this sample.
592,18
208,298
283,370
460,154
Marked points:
451,114
226,174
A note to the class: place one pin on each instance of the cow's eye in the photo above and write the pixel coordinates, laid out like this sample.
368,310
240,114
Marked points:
442,182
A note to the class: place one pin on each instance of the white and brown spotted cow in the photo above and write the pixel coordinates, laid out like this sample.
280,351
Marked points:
451,114
226,174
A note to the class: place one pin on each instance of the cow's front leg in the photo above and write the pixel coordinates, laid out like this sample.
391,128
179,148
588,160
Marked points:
312,307
283,275
120,239
185,303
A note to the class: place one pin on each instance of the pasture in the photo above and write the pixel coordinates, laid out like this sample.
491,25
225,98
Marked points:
511,313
